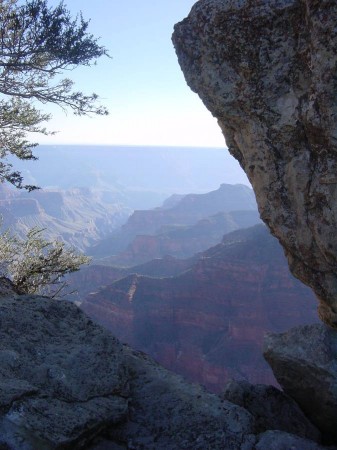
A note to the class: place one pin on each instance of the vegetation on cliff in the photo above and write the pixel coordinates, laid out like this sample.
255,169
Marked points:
37,43
36,265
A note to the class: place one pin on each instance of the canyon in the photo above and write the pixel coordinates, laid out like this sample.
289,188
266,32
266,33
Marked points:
207,322
183,226
266,70
78,216
141,177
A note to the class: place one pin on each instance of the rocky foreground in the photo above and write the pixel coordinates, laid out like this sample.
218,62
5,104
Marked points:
66,383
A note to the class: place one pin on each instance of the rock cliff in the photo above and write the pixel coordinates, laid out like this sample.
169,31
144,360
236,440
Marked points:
94,277
182,241
267,71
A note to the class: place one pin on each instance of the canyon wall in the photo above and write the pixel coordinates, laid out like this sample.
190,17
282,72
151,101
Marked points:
267,71
129,245
208,322
78,216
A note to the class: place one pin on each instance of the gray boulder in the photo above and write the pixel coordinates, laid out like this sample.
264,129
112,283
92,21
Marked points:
279,440
62,378
65,381
304,361
166,413
271,408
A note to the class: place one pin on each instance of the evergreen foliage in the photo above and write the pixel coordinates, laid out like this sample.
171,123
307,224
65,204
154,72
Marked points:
36,265
38,43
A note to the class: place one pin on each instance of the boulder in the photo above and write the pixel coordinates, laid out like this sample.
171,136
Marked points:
267,71
165,413
62,378
279,440
272,409
304,362
65,381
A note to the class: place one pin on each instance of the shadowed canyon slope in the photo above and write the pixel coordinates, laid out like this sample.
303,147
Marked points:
207,323
267,71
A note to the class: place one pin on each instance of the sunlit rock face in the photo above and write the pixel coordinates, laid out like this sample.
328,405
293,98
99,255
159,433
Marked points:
267,71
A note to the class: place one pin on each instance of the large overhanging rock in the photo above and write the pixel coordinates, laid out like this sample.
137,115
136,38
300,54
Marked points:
267,71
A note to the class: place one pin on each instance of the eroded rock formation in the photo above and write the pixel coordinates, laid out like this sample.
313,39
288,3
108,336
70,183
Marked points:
77,216
267,71
157,232
208,322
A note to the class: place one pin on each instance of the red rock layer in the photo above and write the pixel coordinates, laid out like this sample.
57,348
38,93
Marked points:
208,323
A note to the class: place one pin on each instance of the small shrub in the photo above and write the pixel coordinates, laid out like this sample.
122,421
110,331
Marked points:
36,265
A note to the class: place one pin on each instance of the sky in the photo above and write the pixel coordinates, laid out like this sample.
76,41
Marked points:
142,84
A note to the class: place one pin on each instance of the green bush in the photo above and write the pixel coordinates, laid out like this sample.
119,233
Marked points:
37,266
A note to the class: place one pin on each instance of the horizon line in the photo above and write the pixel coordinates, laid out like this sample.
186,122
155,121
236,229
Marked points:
132,145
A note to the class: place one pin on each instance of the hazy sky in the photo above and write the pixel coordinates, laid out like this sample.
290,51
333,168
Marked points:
142,85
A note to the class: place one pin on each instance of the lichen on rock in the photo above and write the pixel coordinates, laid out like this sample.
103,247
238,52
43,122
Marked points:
267,71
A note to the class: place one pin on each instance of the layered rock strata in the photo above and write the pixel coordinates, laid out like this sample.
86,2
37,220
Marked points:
208,322
175,215
76,216
182,241
267,71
